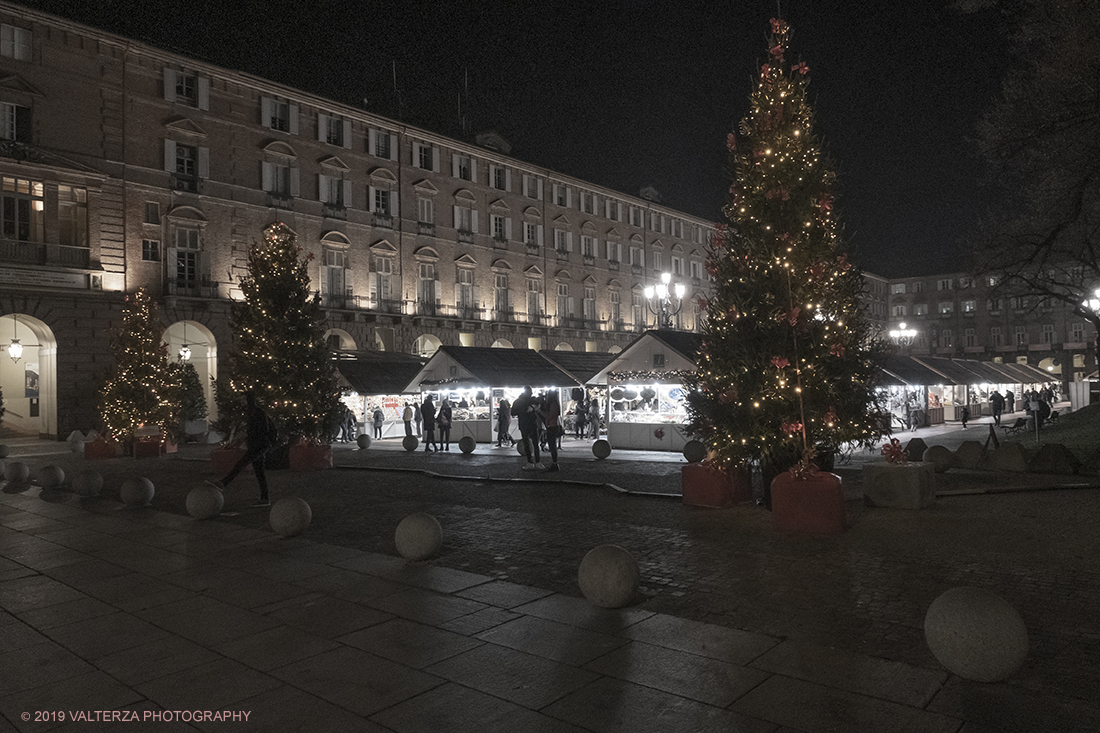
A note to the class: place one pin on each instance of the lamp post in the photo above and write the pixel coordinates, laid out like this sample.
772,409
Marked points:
659,299
903,336
15,349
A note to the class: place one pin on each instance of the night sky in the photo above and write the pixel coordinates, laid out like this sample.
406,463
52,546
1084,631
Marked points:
629,93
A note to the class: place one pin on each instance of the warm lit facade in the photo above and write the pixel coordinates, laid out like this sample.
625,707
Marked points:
124,166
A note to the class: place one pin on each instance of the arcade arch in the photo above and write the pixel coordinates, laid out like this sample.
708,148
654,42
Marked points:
29,383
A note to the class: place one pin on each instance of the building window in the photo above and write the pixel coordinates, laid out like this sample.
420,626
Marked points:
995,305
22,210
331,190
72,216
15,43
588,202
382,145
899,311
589,304
152,212
561,195
464,217
637,310
463,167
565,306
588,246
944,284
500,227
531,234
616,311
534,299
334,278
381,202
561,240
635,216
1021,335
382,282
920,309
334,130
657,261
947,339
531,186
424,157
696,270
426,291
996,337
678,266
15,123
1078,332
425,210
150,250
614,251
277,175
946,308
637,257
500,293
187,89
188,259
969,306
187,172
464,290
897,288
966,282
499,178
1048,333
1019,303
918,287
279,115
971,338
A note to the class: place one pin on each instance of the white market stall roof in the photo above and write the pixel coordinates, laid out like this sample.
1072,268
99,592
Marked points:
378,372
477,366
673,351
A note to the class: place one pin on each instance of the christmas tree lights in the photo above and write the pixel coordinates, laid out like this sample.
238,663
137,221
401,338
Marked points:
279,348
787,365
141,391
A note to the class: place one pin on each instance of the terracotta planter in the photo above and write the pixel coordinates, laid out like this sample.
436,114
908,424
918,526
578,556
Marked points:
812,505
310,457
901,486
704,485
225,458
100,448
148,448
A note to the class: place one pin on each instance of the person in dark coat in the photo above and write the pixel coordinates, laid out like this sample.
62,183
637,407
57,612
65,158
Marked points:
525,408
379,420
259,439
997,405
418,416
1010,401
443,422
504,422
427,414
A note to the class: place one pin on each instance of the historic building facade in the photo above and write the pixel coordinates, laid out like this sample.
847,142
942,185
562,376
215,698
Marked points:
124,166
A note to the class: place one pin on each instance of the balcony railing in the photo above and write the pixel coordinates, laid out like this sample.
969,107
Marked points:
425,228
343,301
29,252
193,288
465,236
383,220
335,211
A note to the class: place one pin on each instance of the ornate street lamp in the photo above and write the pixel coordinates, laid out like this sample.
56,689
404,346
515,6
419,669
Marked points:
903,336
659,300
15,349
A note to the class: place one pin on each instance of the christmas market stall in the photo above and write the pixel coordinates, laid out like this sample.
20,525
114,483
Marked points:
377,380
474,379
583,366
646,395
906,385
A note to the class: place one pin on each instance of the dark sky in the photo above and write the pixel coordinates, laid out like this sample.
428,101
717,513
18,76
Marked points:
629,93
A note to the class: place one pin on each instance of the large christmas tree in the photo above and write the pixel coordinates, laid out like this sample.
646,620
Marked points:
788,365
280,351
141,390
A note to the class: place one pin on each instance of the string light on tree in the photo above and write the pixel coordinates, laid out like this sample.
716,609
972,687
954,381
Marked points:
787,364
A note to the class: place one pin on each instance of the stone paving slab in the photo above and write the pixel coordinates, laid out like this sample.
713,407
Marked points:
410,643
552,640
1011,710
704,640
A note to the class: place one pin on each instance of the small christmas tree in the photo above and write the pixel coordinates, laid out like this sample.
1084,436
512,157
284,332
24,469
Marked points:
192,401
787,365
280,351
140,390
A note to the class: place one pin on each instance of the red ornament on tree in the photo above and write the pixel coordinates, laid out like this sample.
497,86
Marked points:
780,361
801,68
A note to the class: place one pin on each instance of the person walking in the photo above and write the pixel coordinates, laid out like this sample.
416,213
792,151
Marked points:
580,419
1010,402
443,422
525,408
407,417
551,417
997,405
259,439
427,413
504,422
594,419
379,420
418,416
965,415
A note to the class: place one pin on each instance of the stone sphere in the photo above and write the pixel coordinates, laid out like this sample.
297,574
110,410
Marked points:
17,472
363,441
88,483
136,491
76,441
204,502
601,449
976,634
4,451
940,457
290,516
418,536
50,477
467,444
609,576
409,443
695,451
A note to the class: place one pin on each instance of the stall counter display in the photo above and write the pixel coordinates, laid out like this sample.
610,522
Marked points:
648,416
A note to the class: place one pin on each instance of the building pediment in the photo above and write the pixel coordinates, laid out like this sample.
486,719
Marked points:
563,275
278,147
425,186
185,126
466,260
426,253
16,83
533,271
333,162
383,174
499,205
383,247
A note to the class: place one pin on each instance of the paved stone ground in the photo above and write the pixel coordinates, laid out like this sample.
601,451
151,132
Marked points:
865,592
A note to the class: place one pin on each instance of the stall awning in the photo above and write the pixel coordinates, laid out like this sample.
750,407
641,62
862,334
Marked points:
379,372
581,365
984,371
913,373
953,371
489,367
1027,374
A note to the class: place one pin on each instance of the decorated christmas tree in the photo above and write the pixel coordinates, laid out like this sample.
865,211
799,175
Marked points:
279,348
787,366
140,391
191,400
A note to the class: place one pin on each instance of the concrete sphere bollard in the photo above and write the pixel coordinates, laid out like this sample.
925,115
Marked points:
363,441
136,491
609,576
204,502
418,536
409,443
290,516
51,477
940,457
695,451
4,451
601,449
467,444
76,441
16,472
88,483
976,634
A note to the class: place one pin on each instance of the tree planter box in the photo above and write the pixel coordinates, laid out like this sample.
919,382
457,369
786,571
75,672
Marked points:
812,505
101,448
900,486
310,457
703,485
225,458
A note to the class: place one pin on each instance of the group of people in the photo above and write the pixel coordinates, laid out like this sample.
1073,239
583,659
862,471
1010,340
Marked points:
427,416
537,416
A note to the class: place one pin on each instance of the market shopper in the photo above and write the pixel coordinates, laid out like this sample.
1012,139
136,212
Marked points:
997,405
443,422
379,421
504,423
594,419
418,417
525,408
259,439
551,417
407,418
427,413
